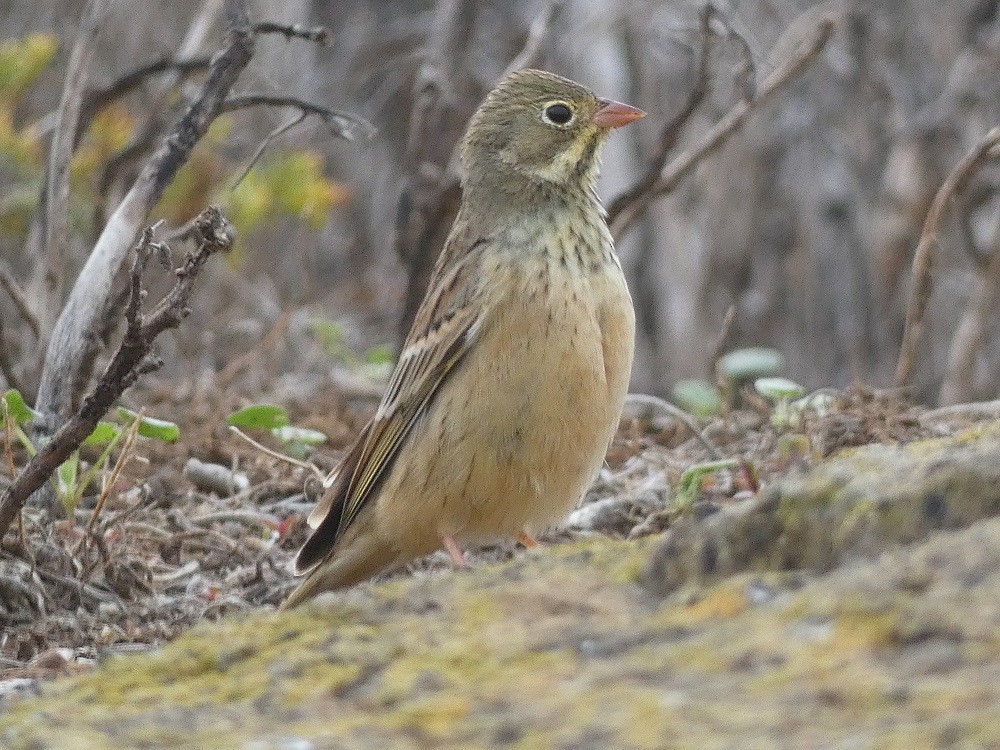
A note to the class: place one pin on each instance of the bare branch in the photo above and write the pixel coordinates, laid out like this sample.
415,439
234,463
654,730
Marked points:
655,402
123,456
672,129
17,296
723,342
57,187
97,99
971,332
681,166
129,362
920,293
65,357
7,365
342,124
319,34
538,34
268,140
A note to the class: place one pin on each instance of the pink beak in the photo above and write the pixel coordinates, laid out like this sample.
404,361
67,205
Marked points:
615,114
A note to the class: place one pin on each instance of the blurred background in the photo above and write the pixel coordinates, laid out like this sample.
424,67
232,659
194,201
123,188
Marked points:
804,222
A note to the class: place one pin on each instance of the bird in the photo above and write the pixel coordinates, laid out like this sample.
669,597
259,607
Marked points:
511,382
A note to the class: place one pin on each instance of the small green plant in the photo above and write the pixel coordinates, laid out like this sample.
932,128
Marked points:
741,365
697,397
67,481
691,480
298,442
375,364
790,405
780,392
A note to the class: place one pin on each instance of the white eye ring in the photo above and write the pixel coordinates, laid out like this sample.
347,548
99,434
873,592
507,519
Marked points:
558,114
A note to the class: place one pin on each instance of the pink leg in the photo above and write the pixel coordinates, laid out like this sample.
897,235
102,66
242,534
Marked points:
454,551
526,539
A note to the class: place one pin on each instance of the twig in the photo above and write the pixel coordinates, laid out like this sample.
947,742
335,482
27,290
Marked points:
639,201
722,343
57,187
17,296
976,411
675,411
281,456
672,129
129,362
319,34
538,33
133,430
971,331
7,363
268,140
342,124
746,73
96,99
920,294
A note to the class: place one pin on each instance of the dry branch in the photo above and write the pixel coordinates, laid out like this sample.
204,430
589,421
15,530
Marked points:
97,99
17,296
920,293
342,124
538,34
957,385
130,361
318,34
57,185
672,129
71,345
638,202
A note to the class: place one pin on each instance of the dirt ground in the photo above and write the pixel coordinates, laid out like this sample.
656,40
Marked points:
168,551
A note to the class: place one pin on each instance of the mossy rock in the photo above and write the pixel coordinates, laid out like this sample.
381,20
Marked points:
859,505
564,647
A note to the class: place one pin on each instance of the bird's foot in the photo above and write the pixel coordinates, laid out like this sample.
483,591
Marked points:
526,540
454,551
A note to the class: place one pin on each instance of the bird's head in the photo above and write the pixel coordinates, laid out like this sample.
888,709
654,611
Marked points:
541,127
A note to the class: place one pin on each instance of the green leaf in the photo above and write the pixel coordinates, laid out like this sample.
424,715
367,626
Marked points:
697,397
288,434
22,61
777,389
66,479
105,432
821,402
691,479
754,362
380,355
19,410
333,339
258,416
159,429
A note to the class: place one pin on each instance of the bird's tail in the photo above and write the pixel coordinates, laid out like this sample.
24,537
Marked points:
351,563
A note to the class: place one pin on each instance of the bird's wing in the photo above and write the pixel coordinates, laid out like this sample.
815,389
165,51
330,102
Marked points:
445,327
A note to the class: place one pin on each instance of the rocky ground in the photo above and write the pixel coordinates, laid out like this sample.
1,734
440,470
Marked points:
811,594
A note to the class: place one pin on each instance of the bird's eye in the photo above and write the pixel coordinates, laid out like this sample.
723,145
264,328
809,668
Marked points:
558,113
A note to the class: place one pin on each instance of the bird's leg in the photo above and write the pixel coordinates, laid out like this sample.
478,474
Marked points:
454,551
526,539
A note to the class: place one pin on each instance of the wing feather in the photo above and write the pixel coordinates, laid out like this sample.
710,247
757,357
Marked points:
443,331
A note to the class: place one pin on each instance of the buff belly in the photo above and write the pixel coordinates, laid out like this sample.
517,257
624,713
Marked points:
518,433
